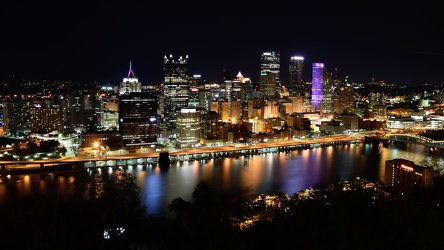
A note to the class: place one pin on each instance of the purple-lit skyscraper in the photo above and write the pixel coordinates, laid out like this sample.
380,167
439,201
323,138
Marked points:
316,87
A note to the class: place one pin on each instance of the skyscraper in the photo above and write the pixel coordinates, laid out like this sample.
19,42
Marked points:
175,90
188,128
130,83
268,85
270,64
296,70
316,87
137,115
138,119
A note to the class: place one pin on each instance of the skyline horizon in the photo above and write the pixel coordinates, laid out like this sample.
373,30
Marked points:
284,74
95,41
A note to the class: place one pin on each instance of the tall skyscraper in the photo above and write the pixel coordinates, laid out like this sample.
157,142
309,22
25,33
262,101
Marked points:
137,115
296,82
327,95
316,87
138,119
268,85
130,83
271,63
344,101
175,90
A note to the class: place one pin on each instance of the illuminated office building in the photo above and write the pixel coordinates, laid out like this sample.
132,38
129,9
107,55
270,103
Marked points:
175,90
317,86
138,119
268,86
401,172
130,83
271,62
188,128
44,120
16,117
344,100
327,95
296,70
137,116
246,87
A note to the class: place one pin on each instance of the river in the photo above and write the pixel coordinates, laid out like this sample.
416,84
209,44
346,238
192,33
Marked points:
243,176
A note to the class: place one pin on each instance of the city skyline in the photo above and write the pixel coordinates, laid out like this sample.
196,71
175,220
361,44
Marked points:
96,42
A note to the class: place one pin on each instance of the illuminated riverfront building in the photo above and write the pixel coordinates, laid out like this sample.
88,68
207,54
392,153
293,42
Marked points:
317,85
188,128
138,118
401,172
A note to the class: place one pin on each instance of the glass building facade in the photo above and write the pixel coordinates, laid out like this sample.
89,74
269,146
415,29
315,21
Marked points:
138,119
317,85
175,90
296,82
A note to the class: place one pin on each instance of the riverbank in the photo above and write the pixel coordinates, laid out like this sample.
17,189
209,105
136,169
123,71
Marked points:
121,158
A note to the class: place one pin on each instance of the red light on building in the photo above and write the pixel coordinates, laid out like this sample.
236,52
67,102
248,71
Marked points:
405,167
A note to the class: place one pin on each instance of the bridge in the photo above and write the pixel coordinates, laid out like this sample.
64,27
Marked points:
407,138
115,159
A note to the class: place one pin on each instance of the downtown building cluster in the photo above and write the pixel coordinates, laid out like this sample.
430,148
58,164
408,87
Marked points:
187,111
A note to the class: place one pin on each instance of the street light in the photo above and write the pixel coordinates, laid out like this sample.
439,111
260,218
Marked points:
96,146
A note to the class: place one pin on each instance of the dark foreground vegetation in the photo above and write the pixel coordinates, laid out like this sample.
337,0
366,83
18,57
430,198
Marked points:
325,218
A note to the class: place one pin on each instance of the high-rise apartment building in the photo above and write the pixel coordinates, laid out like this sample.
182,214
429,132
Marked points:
317,85
175,90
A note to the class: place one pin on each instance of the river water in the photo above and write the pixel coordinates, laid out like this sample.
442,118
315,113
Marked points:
243,176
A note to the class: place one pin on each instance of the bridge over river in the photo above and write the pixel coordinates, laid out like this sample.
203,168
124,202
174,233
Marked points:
406,138
116,159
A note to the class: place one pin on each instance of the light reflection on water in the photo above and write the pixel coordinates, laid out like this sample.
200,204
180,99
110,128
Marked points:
244,176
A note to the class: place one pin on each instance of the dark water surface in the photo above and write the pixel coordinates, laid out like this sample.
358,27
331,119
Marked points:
244,176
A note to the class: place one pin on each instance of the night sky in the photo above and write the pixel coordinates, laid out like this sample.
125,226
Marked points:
95,41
